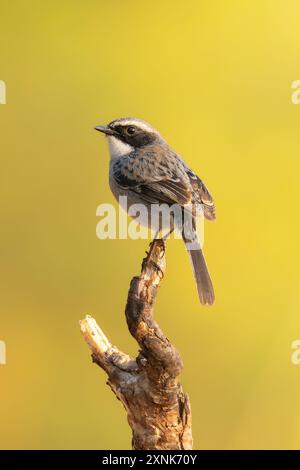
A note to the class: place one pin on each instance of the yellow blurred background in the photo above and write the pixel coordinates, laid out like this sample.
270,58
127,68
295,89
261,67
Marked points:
215,79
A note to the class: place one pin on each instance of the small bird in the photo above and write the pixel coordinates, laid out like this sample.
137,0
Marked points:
144,168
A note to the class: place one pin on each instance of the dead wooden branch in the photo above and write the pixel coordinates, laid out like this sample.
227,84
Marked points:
148,386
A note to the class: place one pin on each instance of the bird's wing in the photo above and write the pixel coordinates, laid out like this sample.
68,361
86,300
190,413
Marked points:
160,176
202,195
157,180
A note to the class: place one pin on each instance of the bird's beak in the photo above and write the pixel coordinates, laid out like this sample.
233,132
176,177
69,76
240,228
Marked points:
106,130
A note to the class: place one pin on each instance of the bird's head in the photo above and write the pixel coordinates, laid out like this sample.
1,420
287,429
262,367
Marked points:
128,134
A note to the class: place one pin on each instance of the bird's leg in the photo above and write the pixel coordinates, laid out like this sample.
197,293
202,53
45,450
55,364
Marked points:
163,237
156,235
168,234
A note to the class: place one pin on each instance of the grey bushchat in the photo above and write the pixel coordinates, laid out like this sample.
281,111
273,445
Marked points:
145,169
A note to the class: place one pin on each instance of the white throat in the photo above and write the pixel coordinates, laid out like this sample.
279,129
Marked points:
117,148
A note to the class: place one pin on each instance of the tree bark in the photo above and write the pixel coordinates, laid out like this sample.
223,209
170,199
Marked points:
158,410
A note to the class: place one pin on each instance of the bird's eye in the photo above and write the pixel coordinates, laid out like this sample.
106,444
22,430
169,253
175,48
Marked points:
130,130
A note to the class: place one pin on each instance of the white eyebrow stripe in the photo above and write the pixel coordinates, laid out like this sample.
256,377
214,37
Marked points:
135,122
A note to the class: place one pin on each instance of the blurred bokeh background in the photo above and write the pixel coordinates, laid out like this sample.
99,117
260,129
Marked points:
215,79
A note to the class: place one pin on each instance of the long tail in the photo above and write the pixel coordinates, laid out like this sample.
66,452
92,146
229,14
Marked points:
202,277
201,274
188,226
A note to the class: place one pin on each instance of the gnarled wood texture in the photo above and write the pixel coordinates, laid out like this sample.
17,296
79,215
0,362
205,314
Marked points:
158,410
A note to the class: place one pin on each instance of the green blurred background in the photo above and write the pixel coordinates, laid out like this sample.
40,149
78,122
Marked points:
215,79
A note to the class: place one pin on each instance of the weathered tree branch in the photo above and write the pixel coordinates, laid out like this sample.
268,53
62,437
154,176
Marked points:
158,410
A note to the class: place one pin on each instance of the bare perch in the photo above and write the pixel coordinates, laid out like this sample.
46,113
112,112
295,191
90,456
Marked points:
158,410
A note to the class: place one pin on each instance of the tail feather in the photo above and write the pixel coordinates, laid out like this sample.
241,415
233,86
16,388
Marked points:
201,274
202,277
